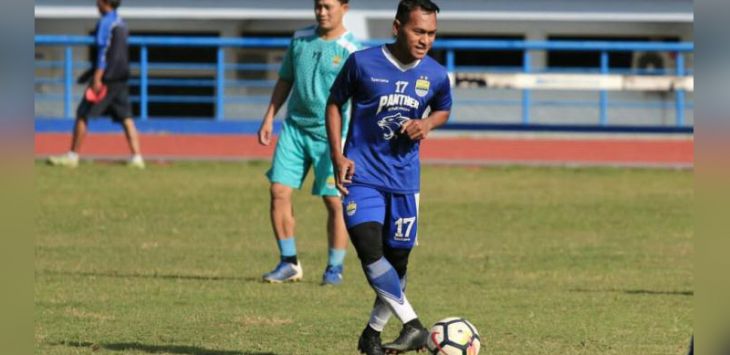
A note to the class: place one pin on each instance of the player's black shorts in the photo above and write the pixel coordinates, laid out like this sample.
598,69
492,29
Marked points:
115,104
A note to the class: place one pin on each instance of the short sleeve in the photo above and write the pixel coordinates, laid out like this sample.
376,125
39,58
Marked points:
344,85
286,72
103,35
441,100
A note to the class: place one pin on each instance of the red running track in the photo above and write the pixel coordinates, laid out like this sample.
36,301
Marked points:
650,152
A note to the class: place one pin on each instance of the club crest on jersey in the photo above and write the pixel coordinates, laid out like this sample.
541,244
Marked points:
336,60
351,208
391,124
422,86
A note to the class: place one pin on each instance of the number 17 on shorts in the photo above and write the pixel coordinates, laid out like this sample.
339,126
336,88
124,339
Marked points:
402,217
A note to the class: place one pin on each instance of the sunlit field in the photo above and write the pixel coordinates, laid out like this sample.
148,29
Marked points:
541,260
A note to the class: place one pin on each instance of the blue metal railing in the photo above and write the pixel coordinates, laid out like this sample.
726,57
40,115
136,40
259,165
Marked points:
450,46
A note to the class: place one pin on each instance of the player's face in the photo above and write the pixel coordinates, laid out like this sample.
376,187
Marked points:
417,35
329,13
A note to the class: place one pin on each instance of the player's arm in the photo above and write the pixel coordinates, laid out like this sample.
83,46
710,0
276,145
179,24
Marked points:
419,129
96,82
278,96
344,168
103,36
343,88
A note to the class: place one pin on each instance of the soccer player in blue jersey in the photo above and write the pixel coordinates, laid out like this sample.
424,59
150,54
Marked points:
110,72
315,56
399,95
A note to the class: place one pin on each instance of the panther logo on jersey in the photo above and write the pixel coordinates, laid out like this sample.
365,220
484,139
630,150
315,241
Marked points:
391,124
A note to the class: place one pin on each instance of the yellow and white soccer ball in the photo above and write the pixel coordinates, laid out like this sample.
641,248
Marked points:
453,336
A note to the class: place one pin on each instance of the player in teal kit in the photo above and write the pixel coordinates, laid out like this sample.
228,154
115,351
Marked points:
313,60
399,94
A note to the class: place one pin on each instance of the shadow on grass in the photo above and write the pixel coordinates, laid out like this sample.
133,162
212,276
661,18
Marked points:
149,276
638,292
153,349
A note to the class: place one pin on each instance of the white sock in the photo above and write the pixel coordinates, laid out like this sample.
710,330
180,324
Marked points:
384,279
381,313
72,155
137,157
404,311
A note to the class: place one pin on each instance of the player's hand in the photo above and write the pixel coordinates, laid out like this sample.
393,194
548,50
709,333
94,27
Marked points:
344,170
416,129
265,132
96,86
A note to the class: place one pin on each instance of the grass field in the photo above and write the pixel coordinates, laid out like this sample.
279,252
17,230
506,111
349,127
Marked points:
541,260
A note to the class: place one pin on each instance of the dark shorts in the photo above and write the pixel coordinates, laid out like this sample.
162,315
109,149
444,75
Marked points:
115,104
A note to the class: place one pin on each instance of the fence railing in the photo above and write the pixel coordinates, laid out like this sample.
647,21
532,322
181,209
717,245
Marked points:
449,46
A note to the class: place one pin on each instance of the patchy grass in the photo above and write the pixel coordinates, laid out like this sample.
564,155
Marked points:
541,260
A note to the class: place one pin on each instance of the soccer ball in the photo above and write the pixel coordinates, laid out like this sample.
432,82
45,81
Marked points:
453,336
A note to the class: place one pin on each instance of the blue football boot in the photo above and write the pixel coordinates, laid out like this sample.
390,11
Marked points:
332,275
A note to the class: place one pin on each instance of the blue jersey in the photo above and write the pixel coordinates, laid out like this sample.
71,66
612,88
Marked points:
112,53
385,93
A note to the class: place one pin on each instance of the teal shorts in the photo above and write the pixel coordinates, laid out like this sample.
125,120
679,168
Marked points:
297,151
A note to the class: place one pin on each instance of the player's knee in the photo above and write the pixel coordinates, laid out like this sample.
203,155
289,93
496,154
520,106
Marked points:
127,122
333,204
367,240
399,259
280,192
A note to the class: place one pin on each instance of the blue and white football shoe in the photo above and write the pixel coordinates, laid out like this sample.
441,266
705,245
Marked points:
284,272
332,275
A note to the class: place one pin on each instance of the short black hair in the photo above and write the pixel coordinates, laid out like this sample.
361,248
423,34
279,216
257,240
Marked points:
343,2
114,3
406,6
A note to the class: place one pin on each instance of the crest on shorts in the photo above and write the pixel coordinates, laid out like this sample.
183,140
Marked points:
351,208
331,182
422,86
